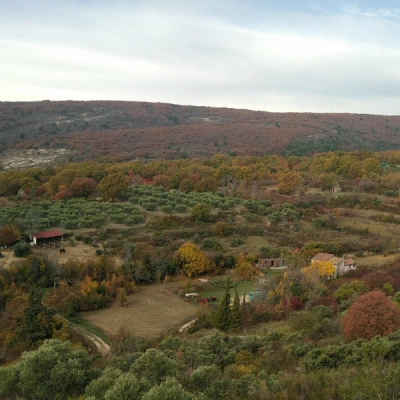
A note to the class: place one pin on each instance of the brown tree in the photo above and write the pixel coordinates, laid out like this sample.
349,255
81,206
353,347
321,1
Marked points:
83,187
371,314
7,235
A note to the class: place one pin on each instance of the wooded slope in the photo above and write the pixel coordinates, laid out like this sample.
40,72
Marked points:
127,130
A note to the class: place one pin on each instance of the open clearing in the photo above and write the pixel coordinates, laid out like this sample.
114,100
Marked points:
150,312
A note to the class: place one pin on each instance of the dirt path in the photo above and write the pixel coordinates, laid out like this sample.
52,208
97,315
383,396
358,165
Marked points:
8,259
102,347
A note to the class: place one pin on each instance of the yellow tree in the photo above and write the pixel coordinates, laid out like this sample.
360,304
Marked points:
245,268
113,185
319,269
192,260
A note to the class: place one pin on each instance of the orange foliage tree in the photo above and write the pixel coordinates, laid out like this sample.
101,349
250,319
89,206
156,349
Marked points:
83,187
370,315
192,260
245,268
289,181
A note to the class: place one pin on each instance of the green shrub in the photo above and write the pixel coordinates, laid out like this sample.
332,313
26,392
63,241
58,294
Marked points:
237,241
87,239
251,217
149,206
224,206
172,204
166,209
181,208
22,249
211,243
70,224
161,202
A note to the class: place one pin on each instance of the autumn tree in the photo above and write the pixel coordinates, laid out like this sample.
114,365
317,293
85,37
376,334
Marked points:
371,166
7,235
245,268
206,184
186,185
322,269
371,314
113,185
192,261
63,193
326,181
201,212
222,228
289,181
83,187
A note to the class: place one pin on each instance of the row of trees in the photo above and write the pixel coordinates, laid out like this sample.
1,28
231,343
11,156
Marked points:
244,176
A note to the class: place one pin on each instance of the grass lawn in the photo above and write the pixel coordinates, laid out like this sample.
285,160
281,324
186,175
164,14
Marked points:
216,286
152,311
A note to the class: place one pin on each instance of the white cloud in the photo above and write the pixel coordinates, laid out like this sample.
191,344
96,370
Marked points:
284,59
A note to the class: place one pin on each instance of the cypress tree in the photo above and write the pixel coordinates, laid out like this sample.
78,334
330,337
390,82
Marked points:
236,317
244,313
37,321
224,309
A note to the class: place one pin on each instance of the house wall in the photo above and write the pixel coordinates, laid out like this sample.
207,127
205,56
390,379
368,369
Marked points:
270,263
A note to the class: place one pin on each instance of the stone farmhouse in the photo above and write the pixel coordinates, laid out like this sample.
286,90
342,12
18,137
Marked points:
342,265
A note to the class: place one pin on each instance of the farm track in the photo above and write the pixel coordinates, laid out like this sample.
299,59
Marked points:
102,347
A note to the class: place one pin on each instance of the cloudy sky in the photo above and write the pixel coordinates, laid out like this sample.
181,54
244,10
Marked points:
288,55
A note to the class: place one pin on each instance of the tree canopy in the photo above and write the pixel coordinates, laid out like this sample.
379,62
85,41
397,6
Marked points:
371,314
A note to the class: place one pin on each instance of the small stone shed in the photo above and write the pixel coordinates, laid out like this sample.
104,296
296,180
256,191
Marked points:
270,263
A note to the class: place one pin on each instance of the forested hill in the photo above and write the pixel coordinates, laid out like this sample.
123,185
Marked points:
127,130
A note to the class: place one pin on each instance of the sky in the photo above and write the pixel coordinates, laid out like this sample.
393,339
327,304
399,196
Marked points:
278,56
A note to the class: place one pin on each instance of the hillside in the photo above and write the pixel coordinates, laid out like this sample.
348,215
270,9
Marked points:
77,131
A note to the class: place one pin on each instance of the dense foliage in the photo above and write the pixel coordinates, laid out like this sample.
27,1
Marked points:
213,216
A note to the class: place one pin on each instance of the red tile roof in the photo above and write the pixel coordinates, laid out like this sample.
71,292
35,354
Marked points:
323,257
47,234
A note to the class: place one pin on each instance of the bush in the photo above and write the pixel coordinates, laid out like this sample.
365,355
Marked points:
222,228
181,208
22,250
251,217
211,244
149,206
237,241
